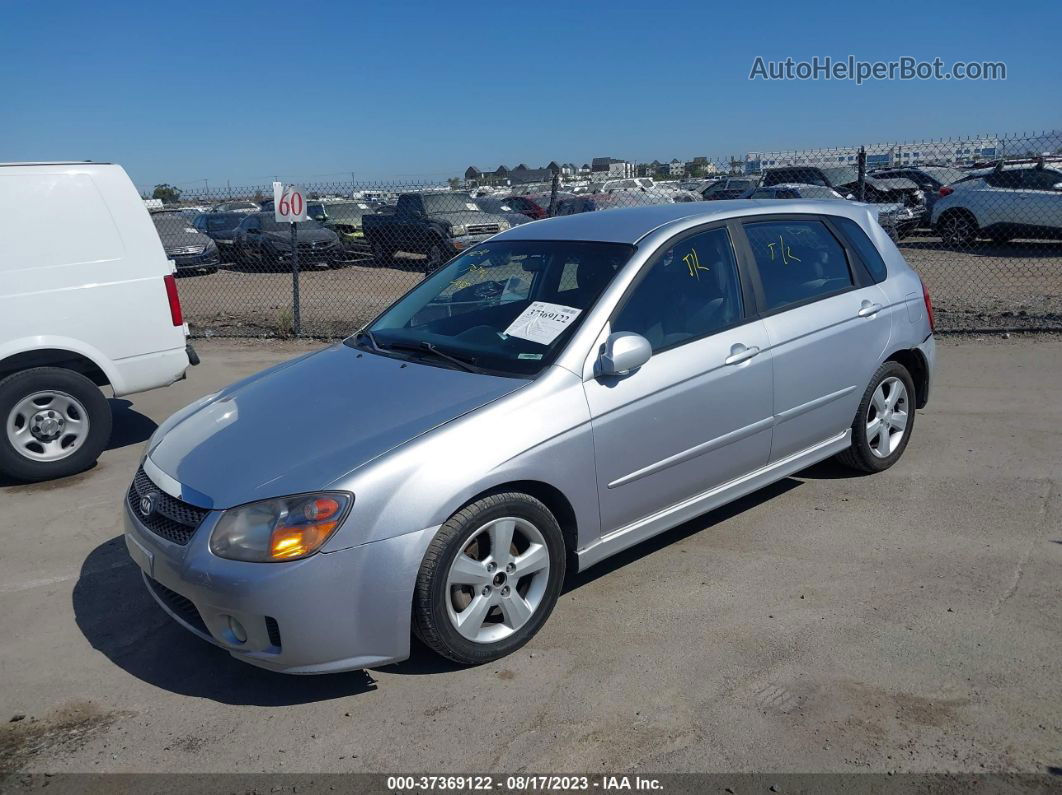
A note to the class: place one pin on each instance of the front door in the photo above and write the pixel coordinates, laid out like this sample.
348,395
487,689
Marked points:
698,413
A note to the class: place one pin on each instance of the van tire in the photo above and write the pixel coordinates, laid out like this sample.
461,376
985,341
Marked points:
15,388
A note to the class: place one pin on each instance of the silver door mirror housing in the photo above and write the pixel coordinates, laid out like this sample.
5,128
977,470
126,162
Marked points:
623,352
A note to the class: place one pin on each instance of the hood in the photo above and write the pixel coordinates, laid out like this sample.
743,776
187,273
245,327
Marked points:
315,235
468,217
301,426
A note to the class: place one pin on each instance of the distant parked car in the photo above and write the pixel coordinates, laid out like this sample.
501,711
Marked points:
502,207
929,178
1001,203
315,209
435,224
727,188
219,227
236,207
189,249
533,208
344,218
845,179
264,243
895,217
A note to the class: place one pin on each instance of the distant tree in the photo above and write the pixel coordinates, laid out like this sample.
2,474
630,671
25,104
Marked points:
167,193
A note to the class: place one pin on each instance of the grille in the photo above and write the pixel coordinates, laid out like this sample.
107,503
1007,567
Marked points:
315,245
273,630
181,605
482,229
171,518
180,250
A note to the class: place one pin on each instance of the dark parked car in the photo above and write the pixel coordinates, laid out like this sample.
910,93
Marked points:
315,210
727,188
502,207
189,249
436,224
525,205
219,227
896,218
845,180
264,243
929,178
237,206
592,202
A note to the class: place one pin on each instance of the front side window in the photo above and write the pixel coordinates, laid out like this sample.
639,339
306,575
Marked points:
1009,179
1041,179
798,261
692,290
506,307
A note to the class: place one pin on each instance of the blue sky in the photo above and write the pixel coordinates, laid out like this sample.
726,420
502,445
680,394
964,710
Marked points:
182,92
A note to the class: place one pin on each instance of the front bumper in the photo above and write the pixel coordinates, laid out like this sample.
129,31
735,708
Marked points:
334,611
208,259
467,241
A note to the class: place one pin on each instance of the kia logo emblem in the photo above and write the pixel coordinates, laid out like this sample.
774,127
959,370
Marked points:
147,504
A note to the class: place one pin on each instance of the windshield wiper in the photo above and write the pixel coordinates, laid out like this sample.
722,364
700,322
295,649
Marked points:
366,334
423,345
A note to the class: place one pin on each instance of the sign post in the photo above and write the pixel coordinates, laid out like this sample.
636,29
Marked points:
289,206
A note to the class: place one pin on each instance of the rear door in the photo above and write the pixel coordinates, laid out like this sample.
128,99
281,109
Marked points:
827,324
1044,202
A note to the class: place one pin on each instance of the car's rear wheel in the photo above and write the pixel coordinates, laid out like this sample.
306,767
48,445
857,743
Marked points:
381,253
958,229
56,423
438,254
884,420
490,578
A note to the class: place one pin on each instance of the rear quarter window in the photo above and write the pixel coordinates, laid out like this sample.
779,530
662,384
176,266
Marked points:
864,247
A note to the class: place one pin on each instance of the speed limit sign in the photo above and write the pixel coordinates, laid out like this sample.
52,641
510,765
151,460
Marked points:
289,203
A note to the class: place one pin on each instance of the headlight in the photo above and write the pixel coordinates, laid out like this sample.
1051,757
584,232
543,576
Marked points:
458,230
285,528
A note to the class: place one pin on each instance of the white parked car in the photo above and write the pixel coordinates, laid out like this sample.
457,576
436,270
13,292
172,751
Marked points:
1022,200
87,300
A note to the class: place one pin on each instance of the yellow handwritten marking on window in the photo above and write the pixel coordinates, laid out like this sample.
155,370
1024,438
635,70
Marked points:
785,250
694,264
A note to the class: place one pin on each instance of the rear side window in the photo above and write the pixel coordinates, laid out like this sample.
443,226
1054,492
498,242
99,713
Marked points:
798,261
863,245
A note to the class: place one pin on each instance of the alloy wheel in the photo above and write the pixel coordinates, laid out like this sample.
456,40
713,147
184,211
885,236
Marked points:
887,417
497,581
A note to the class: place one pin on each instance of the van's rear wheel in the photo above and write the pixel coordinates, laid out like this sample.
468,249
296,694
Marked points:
56,423
490,578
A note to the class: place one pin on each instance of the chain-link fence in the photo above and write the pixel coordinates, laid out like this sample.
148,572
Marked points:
980,219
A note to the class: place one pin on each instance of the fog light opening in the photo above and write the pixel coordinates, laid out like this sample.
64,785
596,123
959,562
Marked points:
237,630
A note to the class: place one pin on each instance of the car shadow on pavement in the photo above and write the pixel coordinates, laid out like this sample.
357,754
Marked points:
118,616
130,426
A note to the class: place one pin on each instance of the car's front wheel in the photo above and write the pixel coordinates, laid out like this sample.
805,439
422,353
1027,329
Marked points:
958,228
883,422
490,578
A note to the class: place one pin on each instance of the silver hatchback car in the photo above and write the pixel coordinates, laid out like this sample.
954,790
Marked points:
548,398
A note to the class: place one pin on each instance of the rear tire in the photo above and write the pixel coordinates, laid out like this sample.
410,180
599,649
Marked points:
878,440
55,421
489,579
382,255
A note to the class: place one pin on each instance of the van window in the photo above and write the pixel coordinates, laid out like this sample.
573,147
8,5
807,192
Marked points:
797,260
54,219
690,292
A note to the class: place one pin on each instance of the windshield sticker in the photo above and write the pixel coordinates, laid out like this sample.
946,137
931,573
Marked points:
471,206
542,322
534,356
193,231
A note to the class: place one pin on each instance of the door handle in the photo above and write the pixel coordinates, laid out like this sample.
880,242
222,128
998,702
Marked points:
867,309
739,353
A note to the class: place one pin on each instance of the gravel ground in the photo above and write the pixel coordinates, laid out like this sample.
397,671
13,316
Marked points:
907,621
1008,286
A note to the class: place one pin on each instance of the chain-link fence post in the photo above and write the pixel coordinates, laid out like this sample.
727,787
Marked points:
861,185
554,186
296,320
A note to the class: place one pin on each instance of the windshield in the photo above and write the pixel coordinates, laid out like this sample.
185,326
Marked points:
351,211
507,307
221,223
449,203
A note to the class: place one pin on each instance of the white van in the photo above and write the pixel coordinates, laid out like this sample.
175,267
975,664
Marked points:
87,299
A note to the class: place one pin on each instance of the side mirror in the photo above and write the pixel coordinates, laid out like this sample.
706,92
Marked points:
623,352
1057,186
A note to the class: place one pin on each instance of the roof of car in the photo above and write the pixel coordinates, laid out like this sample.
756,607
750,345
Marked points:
631,224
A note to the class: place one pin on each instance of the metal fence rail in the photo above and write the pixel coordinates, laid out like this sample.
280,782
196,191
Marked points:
980,219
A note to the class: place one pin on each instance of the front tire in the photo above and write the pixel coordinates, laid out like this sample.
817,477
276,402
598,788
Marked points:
958,228
55,423
490,578
883,422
